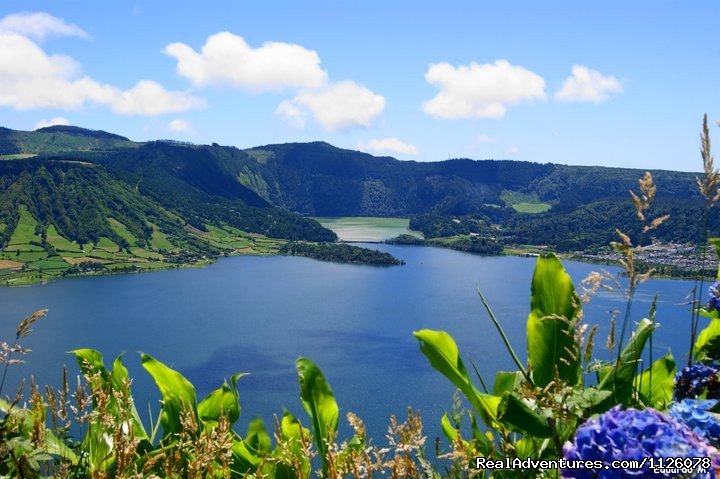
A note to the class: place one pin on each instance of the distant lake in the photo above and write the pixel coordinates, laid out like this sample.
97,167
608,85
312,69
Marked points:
366,229
258,314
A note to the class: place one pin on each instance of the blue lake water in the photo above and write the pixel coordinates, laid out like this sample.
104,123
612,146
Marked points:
258,314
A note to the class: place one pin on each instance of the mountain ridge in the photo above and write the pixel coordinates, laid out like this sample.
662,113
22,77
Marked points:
261,188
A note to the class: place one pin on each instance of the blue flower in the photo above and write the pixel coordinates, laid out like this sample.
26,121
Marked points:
632,434
695,380
694,413
714,290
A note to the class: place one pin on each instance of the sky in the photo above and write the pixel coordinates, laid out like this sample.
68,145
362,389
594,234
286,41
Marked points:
611,83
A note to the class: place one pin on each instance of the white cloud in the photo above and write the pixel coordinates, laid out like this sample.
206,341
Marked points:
512,151
181,126
58,120
226,59
151,98
292,114
480,91
341,106
40,25
586,85
391,145
31,79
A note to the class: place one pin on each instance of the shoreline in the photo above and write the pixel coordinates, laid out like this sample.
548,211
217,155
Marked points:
530,252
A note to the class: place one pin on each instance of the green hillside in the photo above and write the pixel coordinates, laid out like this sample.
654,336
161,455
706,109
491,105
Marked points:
60,219
93,185
60,139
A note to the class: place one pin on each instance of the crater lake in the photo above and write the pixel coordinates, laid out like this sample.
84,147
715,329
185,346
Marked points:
259,314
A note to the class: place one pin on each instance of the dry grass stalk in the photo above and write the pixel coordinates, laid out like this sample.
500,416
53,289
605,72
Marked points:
709,184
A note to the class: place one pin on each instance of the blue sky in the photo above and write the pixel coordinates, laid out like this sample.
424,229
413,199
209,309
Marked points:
595,83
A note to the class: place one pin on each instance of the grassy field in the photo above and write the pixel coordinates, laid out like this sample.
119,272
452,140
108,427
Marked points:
25,231
27,259
524,202
122,231
531,207
367,229
60,243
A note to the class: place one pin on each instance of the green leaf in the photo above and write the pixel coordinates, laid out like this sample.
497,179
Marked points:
440,348
520,418
294,434
290,427
506,381
97,450
711,350
483,440
619,378
554,306
178,394
447,428
319,402
91,364
225,400
243,459
257,436
25,420
705,338
655,384
587,398
121,379
95,442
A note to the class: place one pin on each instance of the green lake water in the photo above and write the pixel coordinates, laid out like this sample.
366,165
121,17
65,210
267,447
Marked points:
367,230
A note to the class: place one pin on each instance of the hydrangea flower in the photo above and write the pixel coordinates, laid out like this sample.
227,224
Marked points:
632,434
714,290
694,413
695,380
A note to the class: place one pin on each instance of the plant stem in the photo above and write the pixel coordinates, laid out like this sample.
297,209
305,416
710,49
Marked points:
697,292
7,364
505,339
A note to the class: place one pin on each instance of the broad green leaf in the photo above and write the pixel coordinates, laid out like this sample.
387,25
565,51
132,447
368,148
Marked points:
53,445
710,351
225,400
257,436
294,434
91,365
440,348
619,378
243,459
96,448
554,306
178,394
520,418
290,427
587,398
95,442
506,381
655,384
447,428
483,440
319,402
534,448
705,337
121,379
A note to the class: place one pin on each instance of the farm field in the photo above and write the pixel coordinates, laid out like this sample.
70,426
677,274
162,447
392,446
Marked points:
36,254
